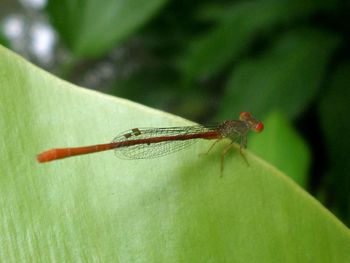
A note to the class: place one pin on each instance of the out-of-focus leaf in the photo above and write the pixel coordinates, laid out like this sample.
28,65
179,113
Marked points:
152,86
212,11
97,208
3,40
285,78
92,27
238,27
157,87
334,113
282,146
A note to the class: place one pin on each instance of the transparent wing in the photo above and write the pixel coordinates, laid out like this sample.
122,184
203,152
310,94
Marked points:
149,149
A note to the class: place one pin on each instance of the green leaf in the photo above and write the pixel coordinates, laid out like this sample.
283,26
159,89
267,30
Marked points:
282,146
285,78
3,39
175,208
91,28
236,30
334,114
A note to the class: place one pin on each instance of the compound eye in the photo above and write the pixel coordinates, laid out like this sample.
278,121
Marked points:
245,115
259,127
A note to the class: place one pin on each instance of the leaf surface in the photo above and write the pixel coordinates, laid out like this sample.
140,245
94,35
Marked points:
176,208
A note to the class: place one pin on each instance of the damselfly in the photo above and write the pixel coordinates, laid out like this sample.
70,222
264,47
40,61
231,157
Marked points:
145,143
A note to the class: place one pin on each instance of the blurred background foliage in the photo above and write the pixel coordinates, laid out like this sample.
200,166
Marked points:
287,61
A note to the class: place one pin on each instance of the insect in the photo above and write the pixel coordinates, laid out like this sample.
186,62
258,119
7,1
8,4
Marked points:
146,143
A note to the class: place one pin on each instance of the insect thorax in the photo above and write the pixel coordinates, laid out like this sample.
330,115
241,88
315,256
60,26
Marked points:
233,128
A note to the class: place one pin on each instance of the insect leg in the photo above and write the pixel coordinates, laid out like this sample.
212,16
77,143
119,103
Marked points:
211,147
243,145
224,152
